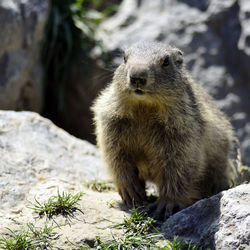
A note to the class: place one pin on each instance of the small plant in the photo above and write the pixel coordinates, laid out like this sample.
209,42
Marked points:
111,204
179,245
138,233
129,242
42,234
16,240
141,233
64,204
100,186
32,238
138,222
143,242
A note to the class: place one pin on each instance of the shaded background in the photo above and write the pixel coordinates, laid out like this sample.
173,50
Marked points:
55,56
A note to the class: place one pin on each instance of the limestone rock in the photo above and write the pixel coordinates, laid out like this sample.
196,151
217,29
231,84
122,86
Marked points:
37,160
220,222
22,24
33,148
214,36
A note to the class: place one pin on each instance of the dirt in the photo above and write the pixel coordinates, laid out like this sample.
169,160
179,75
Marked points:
100,211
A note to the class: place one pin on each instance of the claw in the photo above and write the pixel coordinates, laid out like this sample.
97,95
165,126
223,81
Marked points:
133,195
162,210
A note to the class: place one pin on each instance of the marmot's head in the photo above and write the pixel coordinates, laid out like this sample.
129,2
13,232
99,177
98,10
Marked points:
148,69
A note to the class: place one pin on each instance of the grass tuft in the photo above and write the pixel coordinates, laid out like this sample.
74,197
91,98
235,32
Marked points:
16,240
140,233
32,238
140,242
100,186
138,222
64,204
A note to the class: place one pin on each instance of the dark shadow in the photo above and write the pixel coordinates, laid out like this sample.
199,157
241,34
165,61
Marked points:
123,207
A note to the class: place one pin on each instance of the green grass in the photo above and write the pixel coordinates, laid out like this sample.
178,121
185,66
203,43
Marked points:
31,238
143,242
64,204
111,203
43,234
147,241
17,240
130,241
140,232
138,223
100,186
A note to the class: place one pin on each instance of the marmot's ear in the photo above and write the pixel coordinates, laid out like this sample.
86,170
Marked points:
178,57
125,57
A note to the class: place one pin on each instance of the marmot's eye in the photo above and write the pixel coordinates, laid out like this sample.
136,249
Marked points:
166,61
179,62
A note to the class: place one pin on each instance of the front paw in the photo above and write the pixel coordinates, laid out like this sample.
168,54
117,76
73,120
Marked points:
161,210
133,195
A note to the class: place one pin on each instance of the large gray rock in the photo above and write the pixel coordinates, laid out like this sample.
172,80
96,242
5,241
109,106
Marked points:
220,222
22,24
33,148
213,34
38,160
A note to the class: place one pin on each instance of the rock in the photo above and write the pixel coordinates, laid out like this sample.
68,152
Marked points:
213,34
220,222
22,24
38,159
33,148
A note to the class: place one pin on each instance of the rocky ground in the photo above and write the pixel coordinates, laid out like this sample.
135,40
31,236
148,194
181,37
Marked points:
38,160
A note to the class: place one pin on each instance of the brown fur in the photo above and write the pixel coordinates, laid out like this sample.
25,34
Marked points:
164,129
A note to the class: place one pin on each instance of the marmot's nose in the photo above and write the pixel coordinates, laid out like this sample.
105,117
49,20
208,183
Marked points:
138,78
138,81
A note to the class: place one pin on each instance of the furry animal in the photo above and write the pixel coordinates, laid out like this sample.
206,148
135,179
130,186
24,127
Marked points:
155,123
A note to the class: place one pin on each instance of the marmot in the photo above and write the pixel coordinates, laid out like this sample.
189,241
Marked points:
155,123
